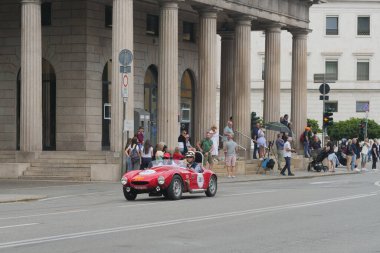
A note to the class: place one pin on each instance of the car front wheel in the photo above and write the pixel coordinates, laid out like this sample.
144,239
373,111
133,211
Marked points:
212,187
131,195
174,191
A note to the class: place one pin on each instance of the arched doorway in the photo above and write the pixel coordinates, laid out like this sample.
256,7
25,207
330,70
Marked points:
106,102
48,106
186,101
150,100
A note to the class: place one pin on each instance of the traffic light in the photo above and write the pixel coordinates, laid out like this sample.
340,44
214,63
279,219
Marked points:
328,119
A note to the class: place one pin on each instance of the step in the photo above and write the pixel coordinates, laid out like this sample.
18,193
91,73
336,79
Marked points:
7,160
55,178
74,153
61,165
66,156
60,169
7,152
70,161
57,173
7,156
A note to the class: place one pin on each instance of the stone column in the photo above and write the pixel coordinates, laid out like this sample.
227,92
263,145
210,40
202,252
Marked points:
168,94
227,86
299,84
122,38
205,114
31,76
272,85
242,72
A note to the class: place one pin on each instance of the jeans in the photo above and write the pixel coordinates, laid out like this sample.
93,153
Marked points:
374,160
306,149
353,162
287,165
255,151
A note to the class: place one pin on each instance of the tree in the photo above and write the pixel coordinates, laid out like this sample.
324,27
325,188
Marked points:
314,125
353,128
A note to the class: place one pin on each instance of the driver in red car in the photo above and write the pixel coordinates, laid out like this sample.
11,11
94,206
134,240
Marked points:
191,164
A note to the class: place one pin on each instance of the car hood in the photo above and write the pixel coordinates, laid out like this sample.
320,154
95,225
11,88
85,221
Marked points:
151,173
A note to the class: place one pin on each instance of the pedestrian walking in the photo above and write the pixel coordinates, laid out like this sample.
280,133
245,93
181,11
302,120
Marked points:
206,147
364,153
215,142
255,132
288,150
280,150
134,152
182,142
230,148
349,154
146,155
375,154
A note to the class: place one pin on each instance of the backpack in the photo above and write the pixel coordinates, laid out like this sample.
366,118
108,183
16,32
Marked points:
134,155
302,137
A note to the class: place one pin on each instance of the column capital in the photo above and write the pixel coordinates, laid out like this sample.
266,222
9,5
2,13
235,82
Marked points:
274,27
243,20
300,32
169,4
207,12
30,1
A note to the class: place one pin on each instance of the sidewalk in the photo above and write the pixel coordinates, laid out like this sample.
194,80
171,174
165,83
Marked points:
277,176
8,198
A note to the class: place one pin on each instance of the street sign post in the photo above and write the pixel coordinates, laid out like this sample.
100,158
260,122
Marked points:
324,89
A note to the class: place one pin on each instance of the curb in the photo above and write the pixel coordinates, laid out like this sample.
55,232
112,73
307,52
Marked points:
283,178
11,198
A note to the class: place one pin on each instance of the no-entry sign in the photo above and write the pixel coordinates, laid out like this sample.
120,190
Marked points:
124,86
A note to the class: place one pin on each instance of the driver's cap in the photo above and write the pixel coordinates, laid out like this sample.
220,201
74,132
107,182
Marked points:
190,154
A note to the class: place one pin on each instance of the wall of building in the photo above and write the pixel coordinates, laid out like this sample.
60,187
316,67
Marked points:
346,47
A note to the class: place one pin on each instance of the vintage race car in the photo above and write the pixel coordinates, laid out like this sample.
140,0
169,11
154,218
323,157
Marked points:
170,179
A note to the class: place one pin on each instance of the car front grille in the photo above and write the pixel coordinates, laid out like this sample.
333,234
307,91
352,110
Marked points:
139,182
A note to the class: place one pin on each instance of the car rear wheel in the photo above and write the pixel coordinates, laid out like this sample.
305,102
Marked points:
175,189
212,187
129,195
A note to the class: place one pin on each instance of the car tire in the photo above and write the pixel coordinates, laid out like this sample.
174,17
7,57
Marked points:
129,195
175,189
212,187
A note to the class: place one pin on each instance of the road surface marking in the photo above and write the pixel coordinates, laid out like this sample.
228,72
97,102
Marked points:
20,225
245,193
73,195
325,182
43,214
40,240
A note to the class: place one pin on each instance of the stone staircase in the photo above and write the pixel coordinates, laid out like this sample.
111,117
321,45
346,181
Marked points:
7,156
64,165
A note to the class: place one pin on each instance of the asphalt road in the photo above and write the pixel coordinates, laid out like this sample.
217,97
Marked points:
330,214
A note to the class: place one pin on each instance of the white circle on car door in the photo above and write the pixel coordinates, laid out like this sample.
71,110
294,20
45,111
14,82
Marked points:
200,180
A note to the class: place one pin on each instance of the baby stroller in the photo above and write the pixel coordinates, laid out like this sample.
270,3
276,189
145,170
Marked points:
317,156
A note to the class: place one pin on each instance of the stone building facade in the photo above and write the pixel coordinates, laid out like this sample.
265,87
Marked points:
60,72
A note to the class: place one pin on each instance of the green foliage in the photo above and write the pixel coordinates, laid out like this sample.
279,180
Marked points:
351,129
314,125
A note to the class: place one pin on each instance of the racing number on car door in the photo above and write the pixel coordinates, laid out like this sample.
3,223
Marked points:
197,180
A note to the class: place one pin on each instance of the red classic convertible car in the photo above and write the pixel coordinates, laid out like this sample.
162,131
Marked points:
170,179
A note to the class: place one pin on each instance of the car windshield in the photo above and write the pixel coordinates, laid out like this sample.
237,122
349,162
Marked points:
168,162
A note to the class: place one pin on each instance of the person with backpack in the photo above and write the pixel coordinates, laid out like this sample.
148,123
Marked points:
134,153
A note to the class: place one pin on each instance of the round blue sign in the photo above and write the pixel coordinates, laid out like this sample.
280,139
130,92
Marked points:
125,57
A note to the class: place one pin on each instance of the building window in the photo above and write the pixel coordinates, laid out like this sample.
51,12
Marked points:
362,71
152,25
363,26
108,16
332,24
332,69
46,14
331,106
362,106
188,32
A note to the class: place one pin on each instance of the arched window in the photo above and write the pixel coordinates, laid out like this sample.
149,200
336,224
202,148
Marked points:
186,100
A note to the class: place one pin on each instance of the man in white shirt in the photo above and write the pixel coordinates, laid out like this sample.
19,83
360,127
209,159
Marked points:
288,156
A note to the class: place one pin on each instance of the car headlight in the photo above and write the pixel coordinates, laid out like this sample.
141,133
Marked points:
124,180
161,180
